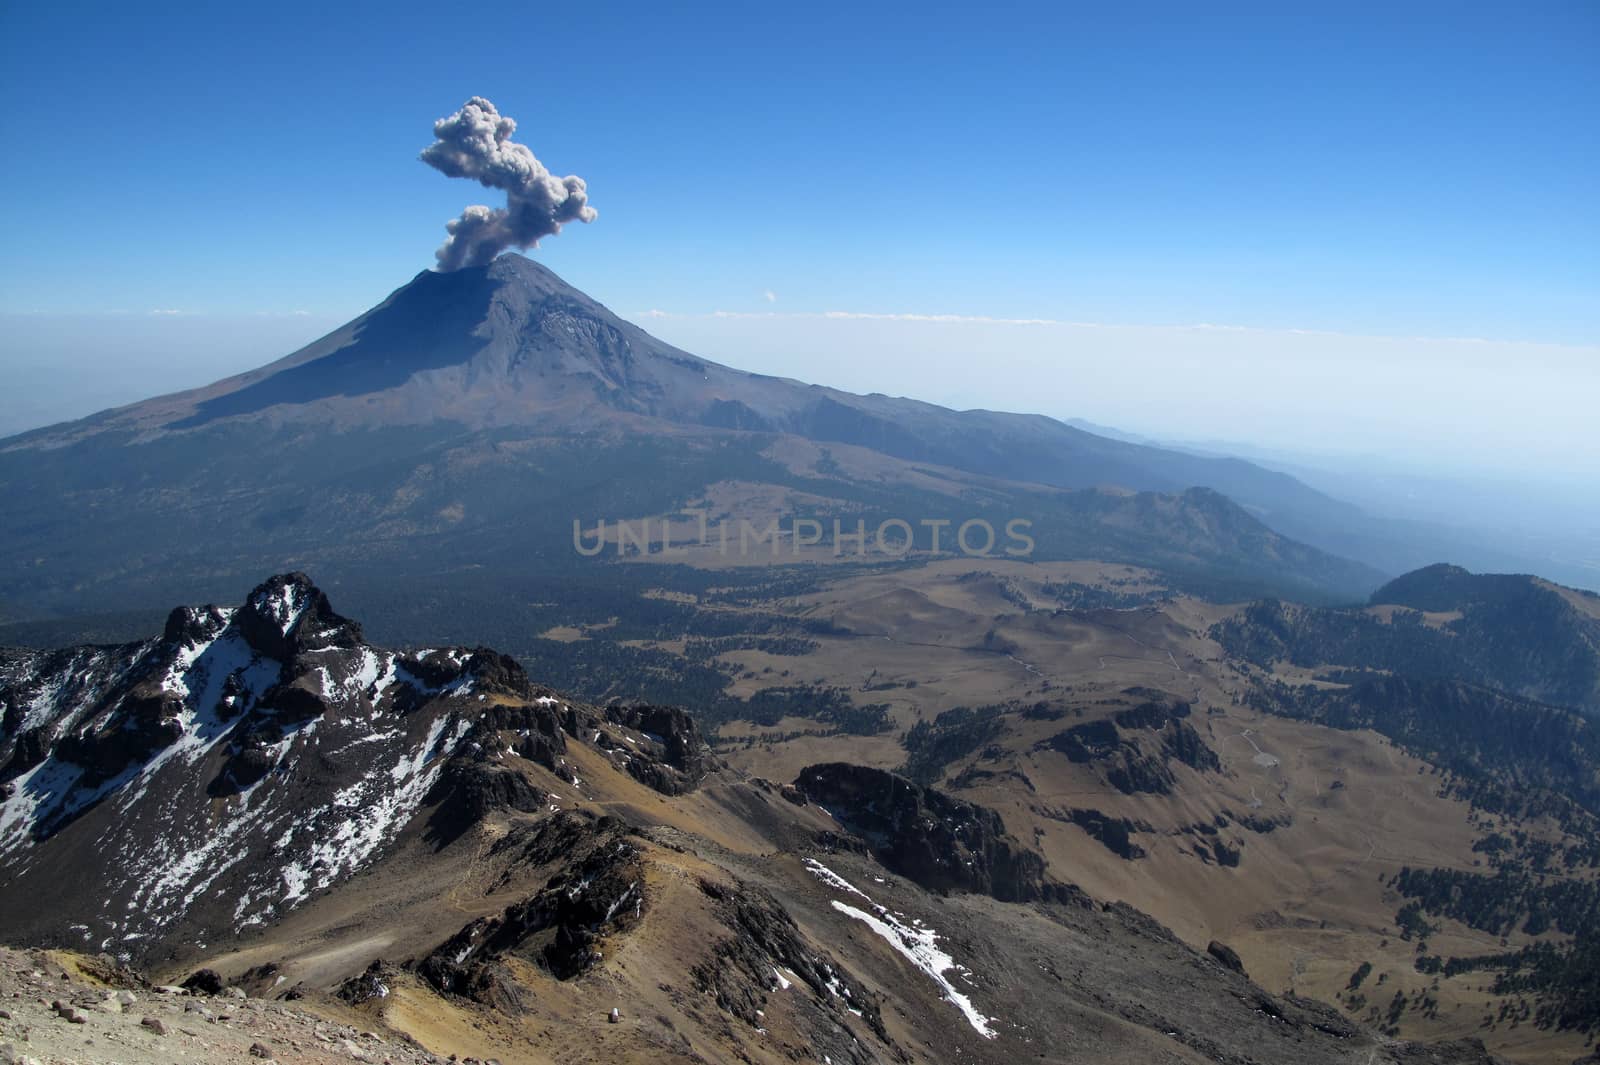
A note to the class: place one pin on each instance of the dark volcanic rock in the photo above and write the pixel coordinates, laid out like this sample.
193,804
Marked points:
1136,762
1088,742
744,968
540,737
293,704
496,672
192,625
31,747
288,614
203,982
598,890
146,724
942,843
684,757
490,671
1114,833
371,984
1226,955
469,790
247,766
152,744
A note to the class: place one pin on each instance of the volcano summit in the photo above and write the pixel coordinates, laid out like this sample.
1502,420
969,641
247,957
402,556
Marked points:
473,415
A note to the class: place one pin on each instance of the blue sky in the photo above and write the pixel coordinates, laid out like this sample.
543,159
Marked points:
1431,171
1382,170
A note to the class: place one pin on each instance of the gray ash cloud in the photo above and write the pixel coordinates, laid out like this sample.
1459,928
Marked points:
475,142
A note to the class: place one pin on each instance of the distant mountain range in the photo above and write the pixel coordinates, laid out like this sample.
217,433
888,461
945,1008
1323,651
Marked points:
1531,521
1517,634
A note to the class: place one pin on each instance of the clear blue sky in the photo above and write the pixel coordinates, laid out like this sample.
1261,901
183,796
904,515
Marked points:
1411,168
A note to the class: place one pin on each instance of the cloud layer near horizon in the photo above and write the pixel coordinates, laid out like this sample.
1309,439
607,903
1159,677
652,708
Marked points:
1422,402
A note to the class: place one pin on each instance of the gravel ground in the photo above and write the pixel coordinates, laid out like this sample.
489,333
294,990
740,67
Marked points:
51,1015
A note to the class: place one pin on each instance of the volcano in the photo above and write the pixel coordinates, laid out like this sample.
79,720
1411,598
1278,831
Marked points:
512,344
468,419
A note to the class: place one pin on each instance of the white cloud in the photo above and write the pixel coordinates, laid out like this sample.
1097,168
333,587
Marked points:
772,297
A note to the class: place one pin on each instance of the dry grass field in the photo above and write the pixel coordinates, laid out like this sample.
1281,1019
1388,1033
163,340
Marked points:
1307,903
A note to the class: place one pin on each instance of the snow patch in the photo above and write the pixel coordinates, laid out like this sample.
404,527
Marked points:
920,947
833,879
916,942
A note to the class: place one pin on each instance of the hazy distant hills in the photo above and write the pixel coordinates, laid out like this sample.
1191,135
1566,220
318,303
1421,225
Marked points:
1514,633
1402,521
472,416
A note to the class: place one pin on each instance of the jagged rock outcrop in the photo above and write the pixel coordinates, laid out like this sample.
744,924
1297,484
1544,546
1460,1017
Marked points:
470,789
373,983
598,891
204,982
941,843
1226,956
288,615
765,953
683,759
1134,747
221,774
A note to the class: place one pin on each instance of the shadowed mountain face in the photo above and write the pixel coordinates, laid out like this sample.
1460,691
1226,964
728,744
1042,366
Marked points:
472,416
428,325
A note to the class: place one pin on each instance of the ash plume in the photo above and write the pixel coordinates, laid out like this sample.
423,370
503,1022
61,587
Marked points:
475,142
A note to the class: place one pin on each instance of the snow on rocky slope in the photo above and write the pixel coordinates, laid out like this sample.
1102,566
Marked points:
213,778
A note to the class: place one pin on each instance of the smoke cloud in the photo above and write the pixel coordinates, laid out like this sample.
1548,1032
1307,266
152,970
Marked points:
475,142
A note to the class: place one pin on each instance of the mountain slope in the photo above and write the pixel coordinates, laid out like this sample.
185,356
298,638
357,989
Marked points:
439,850
512,340
230,768
472,417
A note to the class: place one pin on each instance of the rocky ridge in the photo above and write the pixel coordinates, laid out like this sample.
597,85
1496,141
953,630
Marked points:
942,843
490,869
216,777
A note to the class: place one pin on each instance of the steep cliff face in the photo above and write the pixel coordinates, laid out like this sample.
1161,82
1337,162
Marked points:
941,843
682,757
